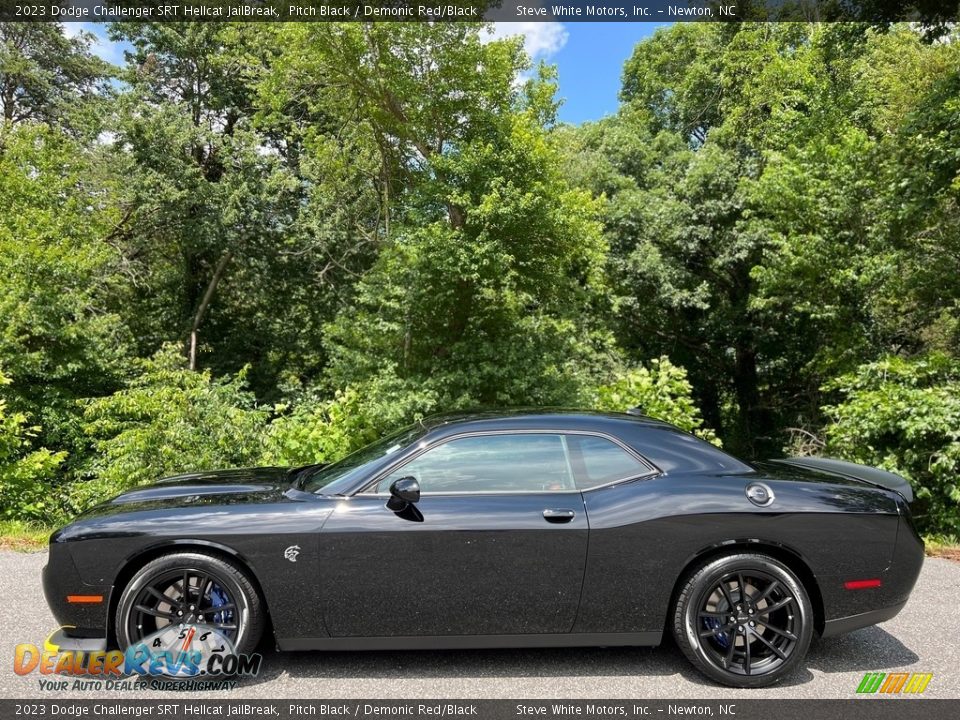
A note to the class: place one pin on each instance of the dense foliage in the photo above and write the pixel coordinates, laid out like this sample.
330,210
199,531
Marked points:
661,390
273,243
904,416
167,419
26,474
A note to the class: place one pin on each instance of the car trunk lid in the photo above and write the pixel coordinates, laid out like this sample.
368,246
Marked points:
852,471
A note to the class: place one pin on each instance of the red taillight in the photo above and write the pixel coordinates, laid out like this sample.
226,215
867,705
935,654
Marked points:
862,584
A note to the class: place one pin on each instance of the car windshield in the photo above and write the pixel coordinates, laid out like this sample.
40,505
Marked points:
334,479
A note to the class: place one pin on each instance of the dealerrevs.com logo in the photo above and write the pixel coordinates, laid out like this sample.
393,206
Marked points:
894,683
195,657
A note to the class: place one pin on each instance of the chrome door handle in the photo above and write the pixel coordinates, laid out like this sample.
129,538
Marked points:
558,516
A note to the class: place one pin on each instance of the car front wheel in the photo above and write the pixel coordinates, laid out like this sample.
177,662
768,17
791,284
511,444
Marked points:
193,602
744,620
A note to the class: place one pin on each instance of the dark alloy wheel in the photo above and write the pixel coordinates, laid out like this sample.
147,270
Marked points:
190,589
744,620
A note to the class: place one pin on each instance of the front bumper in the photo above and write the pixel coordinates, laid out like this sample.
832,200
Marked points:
81,608
60,641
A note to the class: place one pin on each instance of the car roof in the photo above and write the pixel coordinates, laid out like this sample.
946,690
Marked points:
665,446
536,418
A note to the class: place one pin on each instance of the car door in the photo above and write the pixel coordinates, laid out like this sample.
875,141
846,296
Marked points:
496,545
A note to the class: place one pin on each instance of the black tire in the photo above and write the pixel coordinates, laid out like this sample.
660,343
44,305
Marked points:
247,616
744,620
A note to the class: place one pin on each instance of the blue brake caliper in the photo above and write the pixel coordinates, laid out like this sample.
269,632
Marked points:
723,640
218,598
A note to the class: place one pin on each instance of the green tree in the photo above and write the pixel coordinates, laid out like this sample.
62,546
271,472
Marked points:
916,262
491,263
681,259
45,74
193,197
313,429
238,243
26,474
59,336
661,391
763,208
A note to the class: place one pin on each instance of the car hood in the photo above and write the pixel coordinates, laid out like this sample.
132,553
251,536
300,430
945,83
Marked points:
222,500
228,486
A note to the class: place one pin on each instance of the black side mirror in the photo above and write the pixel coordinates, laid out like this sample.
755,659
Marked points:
403,492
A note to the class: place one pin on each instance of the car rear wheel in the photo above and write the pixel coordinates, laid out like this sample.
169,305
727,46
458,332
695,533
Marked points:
744,620
190,601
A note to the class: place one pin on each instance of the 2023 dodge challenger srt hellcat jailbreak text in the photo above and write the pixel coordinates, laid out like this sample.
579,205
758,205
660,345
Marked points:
514,529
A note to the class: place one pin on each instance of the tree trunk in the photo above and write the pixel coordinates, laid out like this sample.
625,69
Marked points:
746,387
8,104
204,304
707,394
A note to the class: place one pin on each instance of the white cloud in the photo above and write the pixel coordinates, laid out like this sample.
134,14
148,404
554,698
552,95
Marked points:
71,30
102,46
108,50
541,39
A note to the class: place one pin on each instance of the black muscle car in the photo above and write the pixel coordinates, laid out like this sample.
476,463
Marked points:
513,529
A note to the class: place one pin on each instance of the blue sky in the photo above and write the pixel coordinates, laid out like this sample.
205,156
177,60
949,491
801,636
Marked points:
589,57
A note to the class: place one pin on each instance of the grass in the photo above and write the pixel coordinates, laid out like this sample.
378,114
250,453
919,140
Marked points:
22,536
944,546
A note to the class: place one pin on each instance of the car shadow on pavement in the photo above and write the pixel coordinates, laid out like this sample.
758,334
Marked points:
872,648
531,663
864,650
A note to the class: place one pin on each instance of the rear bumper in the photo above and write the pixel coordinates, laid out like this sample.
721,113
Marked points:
857,608
839,626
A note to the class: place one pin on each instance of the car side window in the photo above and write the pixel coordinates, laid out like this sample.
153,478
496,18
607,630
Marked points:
599,461
529,462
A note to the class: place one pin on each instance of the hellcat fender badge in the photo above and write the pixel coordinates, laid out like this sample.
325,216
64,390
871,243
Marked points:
291,553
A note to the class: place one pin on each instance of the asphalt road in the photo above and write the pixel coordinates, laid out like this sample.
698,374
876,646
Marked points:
925,637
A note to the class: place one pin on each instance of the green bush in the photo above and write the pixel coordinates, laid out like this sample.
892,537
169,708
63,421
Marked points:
323,430
661,391
26,474
167,420
313,430
904,416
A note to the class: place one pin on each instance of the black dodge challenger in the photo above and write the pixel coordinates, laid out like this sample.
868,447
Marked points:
514,529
